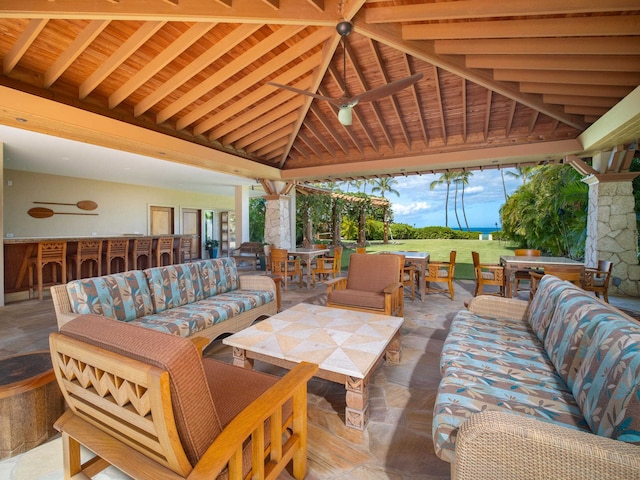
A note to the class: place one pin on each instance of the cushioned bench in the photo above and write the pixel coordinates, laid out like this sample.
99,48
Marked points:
205,298
546,388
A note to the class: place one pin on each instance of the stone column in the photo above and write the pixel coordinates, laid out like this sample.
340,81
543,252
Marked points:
277,221
612,233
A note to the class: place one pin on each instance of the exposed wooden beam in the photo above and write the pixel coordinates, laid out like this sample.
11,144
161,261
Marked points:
28,35
315,109
146,31
491,9
179,45
541,46
225,44
74,50
531,28
572,89
584,63
579,78
389,35
277,123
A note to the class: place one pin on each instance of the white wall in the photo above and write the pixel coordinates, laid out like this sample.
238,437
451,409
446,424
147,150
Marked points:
122,208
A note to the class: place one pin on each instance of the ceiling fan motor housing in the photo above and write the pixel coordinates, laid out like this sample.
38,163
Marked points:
344,28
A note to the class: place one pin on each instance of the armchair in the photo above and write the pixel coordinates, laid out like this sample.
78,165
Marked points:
148,404
487,274
326,266
372,285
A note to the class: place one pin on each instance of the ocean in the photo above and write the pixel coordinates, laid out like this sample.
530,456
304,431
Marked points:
483,230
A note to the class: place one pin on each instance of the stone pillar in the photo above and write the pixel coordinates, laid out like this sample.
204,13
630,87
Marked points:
277,221
612,233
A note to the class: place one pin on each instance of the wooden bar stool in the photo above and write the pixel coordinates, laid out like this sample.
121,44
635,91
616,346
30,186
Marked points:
185,250
142,247
48,252
117,249
87,251
164,247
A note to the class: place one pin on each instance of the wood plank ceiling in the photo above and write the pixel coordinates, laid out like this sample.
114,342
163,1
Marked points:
495,74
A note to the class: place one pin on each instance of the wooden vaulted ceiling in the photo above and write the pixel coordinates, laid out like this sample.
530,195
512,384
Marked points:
504,83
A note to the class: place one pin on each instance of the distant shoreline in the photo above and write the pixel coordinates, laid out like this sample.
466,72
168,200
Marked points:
479,229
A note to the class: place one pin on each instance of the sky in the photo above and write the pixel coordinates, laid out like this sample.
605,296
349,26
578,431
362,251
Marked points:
419,206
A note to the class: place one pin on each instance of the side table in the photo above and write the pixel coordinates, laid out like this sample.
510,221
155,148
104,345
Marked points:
30,402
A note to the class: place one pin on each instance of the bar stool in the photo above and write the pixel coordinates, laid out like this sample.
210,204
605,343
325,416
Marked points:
88,251
48,252
164,246
142,247
117,249
185,249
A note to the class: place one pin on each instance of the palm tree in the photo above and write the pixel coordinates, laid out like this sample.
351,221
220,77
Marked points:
463,179
445,178
504,187
524,173
385,185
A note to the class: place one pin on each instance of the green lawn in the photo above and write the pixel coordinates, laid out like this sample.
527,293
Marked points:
490,251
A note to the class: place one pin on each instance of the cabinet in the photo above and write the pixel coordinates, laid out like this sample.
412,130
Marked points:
225,234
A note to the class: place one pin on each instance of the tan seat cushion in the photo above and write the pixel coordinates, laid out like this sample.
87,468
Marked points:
357,298
372,273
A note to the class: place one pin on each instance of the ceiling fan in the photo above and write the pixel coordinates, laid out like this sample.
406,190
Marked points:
346,103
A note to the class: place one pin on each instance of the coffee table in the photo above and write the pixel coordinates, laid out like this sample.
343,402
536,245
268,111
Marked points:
345,344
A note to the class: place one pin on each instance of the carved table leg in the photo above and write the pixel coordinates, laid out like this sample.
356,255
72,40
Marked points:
357,410
393,349
240,358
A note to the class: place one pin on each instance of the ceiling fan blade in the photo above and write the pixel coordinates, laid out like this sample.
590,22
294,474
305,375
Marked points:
386,90
334,101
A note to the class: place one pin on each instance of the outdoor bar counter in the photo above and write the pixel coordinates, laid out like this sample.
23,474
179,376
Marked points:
17,251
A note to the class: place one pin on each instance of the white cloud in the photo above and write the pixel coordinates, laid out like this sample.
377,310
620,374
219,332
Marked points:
400,209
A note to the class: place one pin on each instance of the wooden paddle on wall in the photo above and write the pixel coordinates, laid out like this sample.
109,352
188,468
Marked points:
40,212
82,204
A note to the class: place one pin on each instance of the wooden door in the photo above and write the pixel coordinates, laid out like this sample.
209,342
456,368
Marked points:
161,220
191,225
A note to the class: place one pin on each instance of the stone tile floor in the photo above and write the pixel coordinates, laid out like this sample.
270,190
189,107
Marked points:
397,443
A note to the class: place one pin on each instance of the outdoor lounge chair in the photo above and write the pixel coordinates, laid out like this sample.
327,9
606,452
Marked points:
487,275
372,285
148,404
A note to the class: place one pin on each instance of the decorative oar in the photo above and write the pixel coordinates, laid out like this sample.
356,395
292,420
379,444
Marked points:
40,212
82,204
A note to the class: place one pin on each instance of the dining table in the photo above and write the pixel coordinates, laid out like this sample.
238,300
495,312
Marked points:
420,260
307,255
513,263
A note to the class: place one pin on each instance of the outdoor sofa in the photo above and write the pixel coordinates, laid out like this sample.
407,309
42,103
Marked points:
548,389
206,298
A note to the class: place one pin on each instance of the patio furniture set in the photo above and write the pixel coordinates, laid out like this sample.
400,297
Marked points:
516,363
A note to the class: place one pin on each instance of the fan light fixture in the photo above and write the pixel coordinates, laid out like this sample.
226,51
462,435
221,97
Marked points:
345,104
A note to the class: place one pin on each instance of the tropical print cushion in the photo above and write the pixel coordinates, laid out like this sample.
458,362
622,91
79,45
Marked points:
607,384
219,275
121,296
464,391
174,285
499,342
192,318
544,302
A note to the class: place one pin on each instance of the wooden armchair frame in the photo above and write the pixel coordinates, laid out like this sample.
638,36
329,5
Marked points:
121,409
574,275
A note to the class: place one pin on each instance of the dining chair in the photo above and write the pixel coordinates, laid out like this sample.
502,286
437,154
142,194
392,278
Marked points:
286,267
573,274
186,254
596,280
523,275
327,266
487,274
441,272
